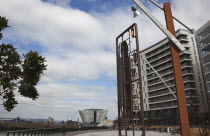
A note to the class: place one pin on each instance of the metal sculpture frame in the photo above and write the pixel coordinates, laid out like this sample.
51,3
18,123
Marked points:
123,76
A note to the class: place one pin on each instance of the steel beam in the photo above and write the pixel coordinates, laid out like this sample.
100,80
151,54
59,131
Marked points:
140,84
126,88
179,83
119,87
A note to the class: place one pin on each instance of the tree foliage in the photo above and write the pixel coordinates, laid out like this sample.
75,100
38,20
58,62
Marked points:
18,74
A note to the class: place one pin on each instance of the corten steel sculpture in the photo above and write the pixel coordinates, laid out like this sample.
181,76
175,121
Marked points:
124,51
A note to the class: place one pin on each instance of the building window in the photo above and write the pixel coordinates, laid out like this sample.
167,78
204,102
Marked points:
189,85
208,86
206,68
192,41
205,59
207,77
199,78
201,86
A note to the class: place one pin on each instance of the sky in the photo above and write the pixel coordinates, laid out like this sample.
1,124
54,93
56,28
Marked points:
77,38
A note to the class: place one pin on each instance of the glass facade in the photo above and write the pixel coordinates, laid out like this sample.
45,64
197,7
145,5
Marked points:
203,43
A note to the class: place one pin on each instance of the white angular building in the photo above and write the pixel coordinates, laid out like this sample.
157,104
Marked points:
93,116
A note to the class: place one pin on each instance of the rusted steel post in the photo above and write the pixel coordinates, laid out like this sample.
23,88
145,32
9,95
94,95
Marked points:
140,83
124,52
119,82
136,119
181,99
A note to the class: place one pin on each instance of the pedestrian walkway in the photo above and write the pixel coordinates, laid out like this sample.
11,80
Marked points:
109,133
75,133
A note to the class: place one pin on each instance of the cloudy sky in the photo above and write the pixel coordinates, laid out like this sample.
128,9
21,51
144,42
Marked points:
77,38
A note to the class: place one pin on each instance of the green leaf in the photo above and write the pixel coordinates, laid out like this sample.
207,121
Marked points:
16,74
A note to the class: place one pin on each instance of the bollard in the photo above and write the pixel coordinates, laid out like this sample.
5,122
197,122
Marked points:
38,132
27,133
168,130
31,132
19,133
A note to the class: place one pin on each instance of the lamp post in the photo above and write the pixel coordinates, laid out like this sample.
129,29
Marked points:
175,47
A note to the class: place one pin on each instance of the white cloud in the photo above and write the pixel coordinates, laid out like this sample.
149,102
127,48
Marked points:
63,3
193,13
52,25
81,46
79,65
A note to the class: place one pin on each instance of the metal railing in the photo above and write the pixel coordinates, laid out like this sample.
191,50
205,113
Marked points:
33,132
46,131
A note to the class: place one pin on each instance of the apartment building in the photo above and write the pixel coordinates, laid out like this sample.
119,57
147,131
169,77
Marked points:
203,44
159,102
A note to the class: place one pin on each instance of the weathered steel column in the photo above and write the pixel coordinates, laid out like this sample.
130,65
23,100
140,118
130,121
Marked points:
140,83
126,84
119,86
179,84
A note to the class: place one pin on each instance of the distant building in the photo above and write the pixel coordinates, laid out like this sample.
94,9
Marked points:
73,124
7,119
203,43
106,123
93,116
50,120
18,119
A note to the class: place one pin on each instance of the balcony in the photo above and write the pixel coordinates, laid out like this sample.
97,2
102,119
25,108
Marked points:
156,102
158,52
161,82
185,56
160,73
159,57
160,63
186,64
158,70
185,52
161,88
163,105
164,93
